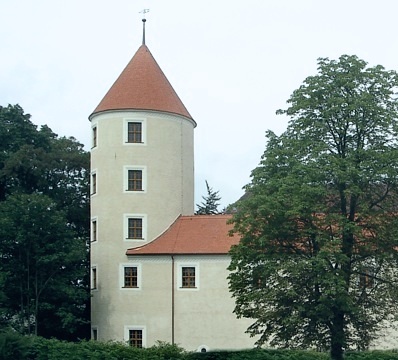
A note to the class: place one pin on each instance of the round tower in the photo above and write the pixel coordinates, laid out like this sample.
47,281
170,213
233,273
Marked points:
142,179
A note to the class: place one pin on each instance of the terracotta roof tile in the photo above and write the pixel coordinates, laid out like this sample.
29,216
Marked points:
142,85
199,234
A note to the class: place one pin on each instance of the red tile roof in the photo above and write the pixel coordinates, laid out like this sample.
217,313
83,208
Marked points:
142,85
199,234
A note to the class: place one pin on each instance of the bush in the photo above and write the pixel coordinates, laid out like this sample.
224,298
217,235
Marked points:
14,346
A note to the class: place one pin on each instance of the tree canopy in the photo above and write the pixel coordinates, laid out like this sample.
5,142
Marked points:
210,203
44,228
317,262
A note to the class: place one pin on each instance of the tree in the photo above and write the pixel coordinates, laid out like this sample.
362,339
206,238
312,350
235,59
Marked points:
37,166
317,261
210,203
42,259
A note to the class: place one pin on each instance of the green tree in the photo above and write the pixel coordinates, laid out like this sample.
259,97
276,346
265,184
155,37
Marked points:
38,163
317,261
210,203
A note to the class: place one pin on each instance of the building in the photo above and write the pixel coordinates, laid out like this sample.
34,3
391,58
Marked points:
157,271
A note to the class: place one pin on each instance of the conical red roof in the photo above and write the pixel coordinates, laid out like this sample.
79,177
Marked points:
142,86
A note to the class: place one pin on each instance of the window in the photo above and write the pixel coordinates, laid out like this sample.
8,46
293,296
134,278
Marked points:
188,277
94,230
135,338
134,228
93,278
94,334
94,136
93,183
135,335
134,180
134,132
130,277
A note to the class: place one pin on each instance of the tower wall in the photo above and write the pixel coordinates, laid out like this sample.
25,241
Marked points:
166,158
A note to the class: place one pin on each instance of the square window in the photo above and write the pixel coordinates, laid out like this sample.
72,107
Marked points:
134,132
134,181
188,277
131,277
134,230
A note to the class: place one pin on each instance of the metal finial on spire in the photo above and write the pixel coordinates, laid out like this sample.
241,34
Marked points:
143,24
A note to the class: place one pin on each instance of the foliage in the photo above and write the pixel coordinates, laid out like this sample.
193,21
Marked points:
210,203
316,265
44,228
13,346
96,350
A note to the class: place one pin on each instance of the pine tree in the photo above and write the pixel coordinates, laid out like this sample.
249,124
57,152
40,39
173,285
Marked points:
210,203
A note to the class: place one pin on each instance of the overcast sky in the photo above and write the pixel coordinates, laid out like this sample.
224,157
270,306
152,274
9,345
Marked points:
232,62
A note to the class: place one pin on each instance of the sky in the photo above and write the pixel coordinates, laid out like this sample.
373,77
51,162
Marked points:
233,63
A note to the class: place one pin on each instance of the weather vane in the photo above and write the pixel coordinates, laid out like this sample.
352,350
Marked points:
144,12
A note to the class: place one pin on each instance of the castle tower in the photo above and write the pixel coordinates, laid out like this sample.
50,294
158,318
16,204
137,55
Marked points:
142,179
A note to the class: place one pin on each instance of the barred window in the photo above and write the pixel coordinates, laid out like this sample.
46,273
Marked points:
135,338
188,277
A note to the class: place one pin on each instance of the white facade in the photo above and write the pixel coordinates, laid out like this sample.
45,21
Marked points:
165,157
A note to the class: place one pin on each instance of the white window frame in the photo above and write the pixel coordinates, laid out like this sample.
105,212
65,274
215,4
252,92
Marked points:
94,220
179,276
135,327
126,218
94,172
143,131
139,276
126,178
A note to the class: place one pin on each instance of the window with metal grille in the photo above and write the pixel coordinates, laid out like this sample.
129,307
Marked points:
135,338
134,132
134,181
131,277
134,228
188,277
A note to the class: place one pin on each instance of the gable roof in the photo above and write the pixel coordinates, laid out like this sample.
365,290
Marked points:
199,234
142,85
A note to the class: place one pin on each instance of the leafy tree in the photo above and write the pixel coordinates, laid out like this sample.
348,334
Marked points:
38,167
210,203
317,262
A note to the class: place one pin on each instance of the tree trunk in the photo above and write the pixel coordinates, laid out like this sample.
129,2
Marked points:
337,337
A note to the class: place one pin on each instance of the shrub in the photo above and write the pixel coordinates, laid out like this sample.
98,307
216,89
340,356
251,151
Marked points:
14,346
